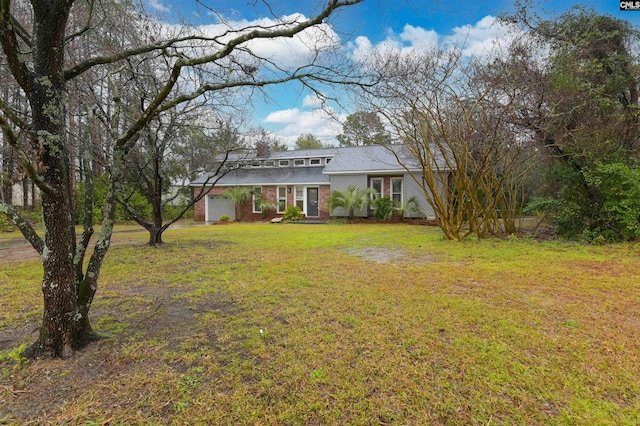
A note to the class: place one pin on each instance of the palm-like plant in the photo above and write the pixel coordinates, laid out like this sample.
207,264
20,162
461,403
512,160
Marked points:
411,207
352,200
238,194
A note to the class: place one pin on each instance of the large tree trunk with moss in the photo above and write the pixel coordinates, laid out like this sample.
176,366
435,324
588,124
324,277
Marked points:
64,326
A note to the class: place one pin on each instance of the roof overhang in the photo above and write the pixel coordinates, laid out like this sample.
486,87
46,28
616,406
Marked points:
273,184
374,172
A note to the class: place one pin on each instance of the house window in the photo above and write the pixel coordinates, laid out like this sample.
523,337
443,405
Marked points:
314,162
283,163
396,190
298,162
300,197
376,185
282,199
256,164
270,163
257,199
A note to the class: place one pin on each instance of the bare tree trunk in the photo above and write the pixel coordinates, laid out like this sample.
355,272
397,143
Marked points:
156,231
6,173
25,192
64,328
34,195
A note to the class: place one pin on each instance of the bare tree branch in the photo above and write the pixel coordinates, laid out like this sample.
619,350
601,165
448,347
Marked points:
25,227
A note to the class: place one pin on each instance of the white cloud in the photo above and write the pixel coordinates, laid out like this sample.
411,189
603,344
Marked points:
474,40
157,5
324,124
265,54
419,38
298,50
480,39
313,101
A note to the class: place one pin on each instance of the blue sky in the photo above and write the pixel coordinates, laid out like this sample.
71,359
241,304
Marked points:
290,112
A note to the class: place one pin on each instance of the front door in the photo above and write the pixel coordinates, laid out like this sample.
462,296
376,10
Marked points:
312,202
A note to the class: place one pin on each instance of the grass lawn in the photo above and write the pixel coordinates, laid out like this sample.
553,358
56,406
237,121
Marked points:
337,324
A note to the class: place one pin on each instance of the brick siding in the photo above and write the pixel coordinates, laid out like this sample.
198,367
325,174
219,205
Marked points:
269,193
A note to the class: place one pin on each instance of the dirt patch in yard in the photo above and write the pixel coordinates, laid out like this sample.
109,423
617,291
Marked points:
386,255
22,250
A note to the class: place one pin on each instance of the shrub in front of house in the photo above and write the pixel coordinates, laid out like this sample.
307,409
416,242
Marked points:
293,213
382,208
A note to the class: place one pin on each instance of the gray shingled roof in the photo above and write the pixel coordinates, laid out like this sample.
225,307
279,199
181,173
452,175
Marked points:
302,153
346,160
270,176
279,155
373,158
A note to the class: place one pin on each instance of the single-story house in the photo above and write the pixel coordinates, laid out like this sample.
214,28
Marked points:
305,178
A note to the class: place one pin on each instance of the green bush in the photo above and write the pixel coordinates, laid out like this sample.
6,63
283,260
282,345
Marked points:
293,213
382,208
617,213
225,218
600,204
170,211
100,187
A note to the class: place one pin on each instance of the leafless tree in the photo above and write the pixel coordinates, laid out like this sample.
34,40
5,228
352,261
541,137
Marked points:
471,160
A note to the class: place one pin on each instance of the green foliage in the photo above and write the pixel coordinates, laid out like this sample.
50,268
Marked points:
33,216
411,207
585,102
308,141
268,208
225,218
383,208
293,213
6,225
17,355
170,211
616,216
350,201
100,188
363,128
540,205
601,204
238,194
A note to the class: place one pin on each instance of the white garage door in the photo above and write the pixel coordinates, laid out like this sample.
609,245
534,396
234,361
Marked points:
217,206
